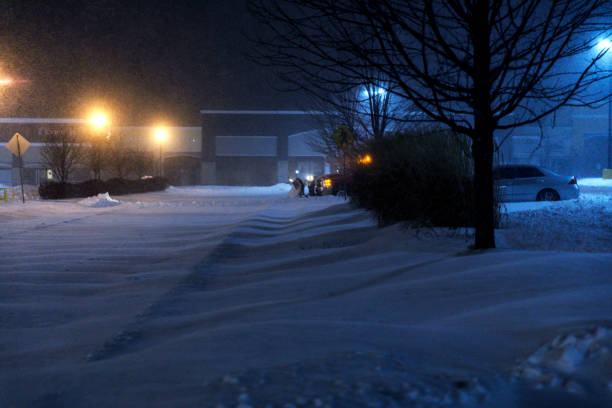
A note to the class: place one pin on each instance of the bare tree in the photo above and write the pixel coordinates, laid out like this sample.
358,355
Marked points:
380,109
118,156
334,112
476,66
97,155
366,112
62,152
142,162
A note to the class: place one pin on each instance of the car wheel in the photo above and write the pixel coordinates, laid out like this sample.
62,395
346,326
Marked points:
548,195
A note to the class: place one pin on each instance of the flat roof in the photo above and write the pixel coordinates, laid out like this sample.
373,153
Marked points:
260,112
42,120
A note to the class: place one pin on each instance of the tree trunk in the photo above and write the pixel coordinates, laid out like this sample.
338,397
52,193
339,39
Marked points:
484,203
484,125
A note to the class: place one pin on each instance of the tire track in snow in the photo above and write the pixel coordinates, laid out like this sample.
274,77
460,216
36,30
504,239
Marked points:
47,226
171,304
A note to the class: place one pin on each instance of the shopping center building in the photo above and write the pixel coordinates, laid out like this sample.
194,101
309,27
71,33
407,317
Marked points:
264,147
230,148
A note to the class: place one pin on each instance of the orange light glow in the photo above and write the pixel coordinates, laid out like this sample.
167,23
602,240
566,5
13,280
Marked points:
161,134
327,183
367,159
99,120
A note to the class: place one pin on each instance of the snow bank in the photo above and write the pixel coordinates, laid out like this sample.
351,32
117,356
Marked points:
101,200
510,208
575,362
277,189
582,225
595,182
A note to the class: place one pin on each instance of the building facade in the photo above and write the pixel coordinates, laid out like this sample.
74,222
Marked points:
230,148
180,153
573,141
255,147
35,130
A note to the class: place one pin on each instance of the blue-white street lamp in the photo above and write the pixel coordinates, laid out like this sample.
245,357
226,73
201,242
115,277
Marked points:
373,91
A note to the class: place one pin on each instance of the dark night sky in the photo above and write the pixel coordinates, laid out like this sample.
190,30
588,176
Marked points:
144,61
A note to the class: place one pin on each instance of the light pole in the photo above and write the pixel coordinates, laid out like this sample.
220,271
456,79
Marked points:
609,123
99,121
161,134
604,46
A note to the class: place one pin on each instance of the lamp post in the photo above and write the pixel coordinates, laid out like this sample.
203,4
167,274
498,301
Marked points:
99,121
604,46
609,123
161,134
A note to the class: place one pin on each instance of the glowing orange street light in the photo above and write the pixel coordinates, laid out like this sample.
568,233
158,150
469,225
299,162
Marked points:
100,121
161,134
367,159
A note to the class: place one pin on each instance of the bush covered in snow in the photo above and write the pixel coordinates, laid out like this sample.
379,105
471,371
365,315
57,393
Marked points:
421,176
116,186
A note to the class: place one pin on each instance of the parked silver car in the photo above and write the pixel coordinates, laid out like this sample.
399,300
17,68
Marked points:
533,183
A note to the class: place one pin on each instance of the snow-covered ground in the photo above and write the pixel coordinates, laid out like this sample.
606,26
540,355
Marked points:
226,191
583,225
595,182
192,297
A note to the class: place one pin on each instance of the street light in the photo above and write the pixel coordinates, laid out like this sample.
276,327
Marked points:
161,134
604,46
100,121
373,92
366,160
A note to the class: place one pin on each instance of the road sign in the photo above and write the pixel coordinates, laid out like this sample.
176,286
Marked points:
18,145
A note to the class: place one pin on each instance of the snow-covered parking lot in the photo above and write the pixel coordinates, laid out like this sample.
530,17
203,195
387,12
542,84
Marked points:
245,297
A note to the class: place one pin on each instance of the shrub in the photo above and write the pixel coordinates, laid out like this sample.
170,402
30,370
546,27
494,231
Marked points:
53,190
422,176
116,186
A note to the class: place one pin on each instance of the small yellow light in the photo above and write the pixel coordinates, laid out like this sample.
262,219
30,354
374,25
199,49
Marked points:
367,159
99,120
327,183
161,134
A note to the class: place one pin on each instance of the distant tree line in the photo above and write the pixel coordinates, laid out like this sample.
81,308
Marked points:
65,153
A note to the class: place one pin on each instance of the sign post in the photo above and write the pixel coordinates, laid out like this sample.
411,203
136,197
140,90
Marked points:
18,145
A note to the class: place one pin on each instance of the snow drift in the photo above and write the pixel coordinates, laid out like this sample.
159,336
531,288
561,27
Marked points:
101,200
